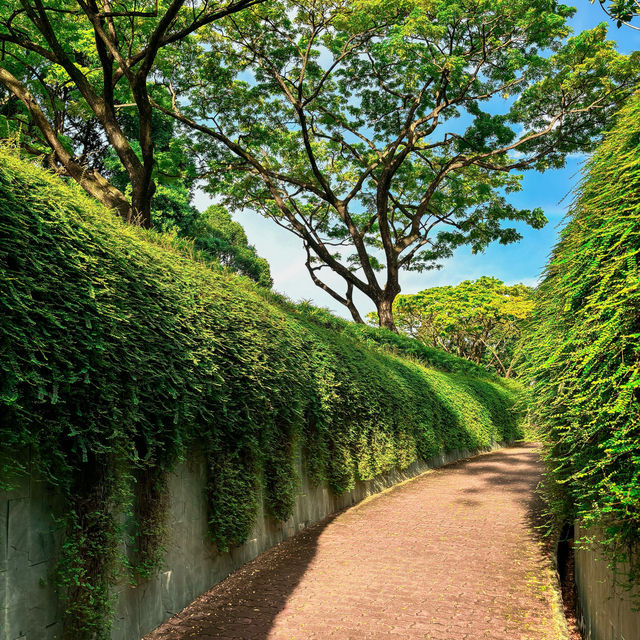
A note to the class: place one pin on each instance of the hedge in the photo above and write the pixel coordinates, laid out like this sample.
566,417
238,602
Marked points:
123,353
585,348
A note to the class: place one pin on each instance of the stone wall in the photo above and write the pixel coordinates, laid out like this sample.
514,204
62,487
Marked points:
605,612
29,609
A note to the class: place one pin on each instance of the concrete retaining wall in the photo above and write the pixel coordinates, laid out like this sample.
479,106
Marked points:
28,547
29,609
604,610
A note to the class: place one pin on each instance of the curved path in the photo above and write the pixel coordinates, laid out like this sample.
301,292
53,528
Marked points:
450,555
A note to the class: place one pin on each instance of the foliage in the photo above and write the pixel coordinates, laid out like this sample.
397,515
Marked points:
386,133
75,73
215,235
174,172
622,11
584,347
394,342
123,355
480,320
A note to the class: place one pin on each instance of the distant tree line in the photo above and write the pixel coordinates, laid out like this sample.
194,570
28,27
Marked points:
481,320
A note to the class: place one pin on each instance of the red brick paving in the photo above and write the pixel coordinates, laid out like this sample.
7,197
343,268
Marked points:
450,555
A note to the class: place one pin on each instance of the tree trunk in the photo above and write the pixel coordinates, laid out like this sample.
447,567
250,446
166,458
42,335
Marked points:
143,191
98,187
143,186
355,314
385,314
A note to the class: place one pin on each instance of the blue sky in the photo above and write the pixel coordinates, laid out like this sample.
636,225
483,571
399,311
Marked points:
519,262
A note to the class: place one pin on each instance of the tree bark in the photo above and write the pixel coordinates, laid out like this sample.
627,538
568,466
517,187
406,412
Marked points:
143,189
355,314
385,313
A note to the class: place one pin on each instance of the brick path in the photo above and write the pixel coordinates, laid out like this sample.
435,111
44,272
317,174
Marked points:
450,555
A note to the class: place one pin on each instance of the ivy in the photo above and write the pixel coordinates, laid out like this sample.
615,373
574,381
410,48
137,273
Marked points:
585,352
124,353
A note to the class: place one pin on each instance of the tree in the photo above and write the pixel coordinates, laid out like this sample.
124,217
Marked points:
71,67
370,129
481,320
219,237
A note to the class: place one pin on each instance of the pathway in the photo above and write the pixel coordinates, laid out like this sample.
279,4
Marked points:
449,555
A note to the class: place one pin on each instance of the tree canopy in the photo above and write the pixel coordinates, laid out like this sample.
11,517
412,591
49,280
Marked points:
74,72
385,134
481,320
622,11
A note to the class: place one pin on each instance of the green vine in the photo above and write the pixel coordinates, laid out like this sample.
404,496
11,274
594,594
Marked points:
150,522
123,354
89,557
584,351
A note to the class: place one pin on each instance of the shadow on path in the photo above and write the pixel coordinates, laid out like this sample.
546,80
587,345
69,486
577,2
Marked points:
368,569
232,610
517,475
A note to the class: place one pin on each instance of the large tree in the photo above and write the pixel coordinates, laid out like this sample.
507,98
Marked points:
70,68
385,133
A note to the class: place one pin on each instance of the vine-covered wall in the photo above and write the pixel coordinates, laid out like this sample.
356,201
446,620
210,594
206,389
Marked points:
585,352
190,563
123,353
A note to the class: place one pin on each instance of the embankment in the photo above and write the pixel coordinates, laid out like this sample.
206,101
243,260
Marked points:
129,363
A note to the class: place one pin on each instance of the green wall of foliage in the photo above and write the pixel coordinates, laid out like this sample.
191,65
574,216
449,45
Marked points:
122,352
585,349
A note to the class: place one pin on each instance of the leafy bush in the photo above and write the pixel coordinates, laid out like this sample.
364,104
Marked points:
122,354
584,347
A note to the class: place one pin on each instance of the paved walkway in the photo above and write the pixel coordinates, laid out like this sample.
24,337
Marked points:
450,555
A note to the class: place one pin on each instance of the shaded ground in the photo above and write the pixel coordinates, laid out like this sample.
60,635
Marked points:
450,555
